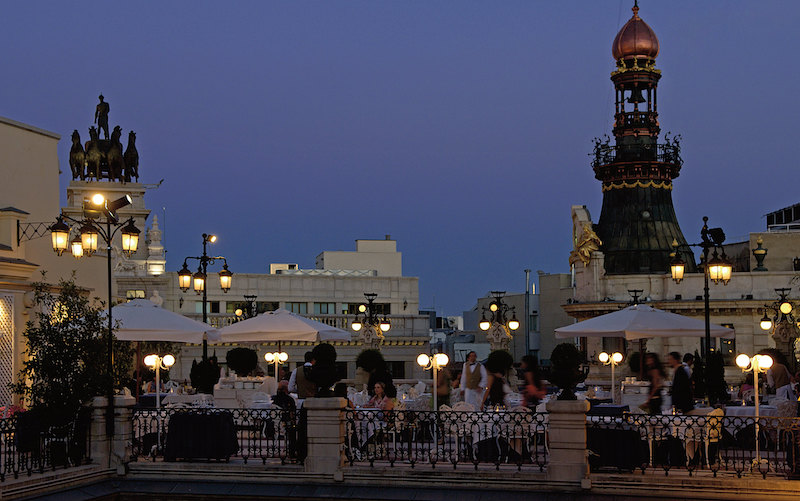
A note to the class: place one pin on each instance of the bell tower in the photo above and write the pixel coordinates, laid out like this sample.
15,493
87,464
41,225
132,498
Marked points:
637,222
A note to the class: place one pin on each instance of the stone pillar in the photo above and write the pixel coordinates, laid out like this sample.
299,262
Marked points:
568,462
121,446
325,425
116,452
98,438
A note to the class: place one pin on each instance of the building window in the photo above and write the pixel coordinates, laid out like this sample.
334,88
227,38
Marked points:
299,308
380,308
265,306
134,294
324,308
397,369
341,370
728,348
534,322
213,307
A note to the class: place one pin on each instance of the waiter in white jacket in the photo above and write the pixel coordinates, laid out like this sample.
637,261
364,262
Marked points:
473,380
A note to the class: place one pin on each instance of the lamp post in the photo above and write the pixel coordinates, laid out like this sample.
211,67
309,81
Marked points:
250,308
756,364
157,363
434,363
368,317
718,269
498,315
782,323
278,358
613,360
85,244
198,280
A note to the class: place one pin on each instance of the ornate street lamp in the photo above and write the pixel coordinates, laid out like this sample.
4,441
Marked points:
756,364
198,280
368,317
613,360
718,269
780,320
249,310
498,314
91,232
434,363
277,358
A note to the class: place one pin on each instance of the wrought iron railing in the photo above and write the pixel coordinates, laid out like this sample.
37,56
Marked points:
605,154
446,437
697,444
210,433
28,445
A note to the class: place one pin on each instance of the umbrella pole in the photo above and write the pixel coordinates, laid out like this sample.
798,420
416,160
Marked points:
138,369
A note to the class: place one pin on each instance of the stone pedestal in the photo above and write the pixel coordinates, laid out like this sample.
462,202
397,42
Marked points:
114,452
567,437
325,424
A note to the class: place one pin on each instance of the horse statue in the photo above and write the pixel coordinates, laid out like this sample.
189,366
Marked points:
131,158
116,164
77,157
93,155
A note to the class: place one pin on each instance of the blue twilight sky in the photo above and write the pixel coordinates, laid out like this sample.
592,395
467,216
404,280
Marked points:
461,128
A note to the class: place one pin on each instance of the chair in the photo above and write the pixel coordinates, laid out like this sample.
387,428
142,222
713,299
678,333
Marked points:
711,433
786,408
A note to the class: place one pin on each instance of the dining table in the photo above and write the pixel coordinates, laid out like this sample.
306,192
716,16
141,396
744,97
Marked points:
207,434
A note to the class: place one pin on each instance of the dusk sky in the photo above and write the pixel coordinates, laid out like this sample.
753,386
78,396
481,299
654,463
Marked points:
460,128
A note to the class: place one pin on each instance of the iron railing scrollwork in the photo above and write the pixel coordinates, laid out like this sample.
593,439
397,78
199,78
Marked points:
696,444
446,437
30,445
211,433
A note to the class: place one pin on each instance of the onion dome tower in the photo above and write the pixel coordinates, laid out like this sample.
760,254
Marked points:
637,222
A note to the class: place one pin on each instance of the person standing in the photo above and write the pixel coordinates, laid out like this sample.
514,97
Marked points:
779,378
535,389
473,380
682,397
299,382
654,372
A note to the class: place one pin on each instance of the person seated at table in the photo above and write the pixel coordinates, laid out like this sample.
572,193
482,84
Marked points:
682,398
151,386
282,398
534,390
747,388
381,400
654,372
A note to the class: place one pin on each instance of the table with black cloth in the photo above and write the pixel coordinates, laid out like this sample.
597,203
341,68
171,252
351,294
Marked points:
616,447
201,435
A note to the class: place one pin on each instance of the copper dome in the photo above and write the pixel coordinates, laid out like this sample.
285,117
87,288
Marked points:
636,38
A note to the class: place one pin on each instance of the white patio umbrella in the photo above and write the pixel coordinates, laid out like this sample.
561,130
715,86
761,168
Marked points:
143,320
280,325
640,322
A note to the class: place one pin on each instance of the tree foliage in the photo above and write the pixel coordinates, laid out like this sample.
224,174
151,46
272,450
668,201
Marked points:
66,350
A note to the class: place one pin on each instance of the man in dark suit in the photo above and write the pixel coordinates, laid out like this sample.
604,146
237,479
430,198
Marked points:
682,397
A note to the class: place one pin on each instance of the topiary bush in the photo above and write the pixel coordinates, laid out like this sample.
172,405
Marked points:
370,360
323,372
243,361
566,374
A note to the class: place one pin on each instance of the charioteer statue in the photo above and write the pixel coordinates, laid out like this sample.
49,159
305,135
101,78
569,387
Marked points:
104,158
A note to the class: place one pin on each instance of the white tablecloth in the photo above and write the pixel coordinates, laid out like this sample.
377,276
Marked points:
750,411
